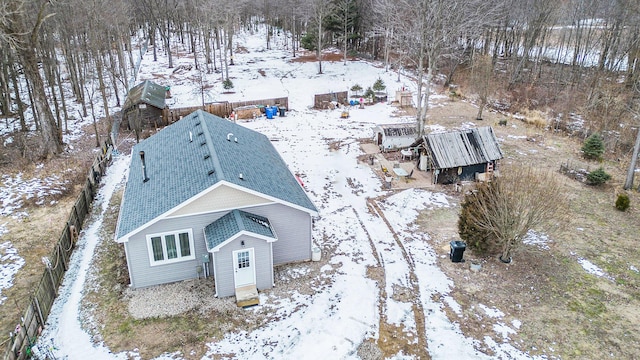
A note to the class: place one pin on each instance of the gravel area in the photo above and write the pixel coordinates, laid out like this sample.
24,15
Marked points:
176,298
198,294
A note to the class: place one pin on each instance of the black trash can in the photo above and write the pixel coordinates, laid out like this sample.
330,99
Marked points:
282,109
457,251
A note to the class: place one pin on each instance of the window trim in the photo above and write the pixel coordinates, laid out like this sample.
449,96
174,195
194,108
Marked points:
162,236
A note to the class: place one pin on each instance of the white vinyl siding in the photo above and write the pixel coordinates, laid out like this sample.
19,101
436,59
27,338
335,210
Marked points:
170,247
222,198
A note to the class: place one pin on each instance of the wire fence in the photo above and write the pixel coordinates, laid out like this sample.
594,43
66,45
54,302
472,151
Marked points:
21,340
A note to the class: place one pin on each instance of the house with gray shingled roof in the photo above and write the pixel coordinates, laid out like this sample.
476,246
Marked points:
206,197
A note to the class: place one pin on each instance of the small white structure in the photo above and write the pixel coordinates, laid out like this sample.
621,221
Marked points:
395,136
404,98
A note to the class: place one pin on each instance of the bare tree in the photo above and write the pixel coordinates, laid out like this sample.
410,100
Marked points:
505,209
431,30
22,35
320,10
482,71
345,14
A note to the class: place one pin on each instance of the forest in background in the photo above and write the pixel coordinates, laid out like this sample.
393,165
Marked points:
566,61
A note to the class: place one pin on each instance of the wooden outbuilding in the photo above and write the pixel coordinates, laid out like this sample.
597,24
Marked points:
469,154
144,105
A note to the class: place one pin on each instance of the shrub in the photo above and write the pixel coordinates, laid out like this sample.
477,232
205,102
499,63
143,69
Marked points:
593,147
369,93
623,202
478,239
598,177
356,88
379,85
227,84
308,41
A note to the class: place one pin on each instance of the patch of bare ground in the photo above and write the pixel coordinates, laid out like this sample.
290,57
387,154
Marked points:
564,311
34,229
310,56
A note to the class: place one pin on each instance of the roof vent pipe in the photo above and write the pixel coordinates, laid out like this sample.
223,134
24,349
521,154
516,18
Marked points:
241,177
235,139
190,136
144,167
229,135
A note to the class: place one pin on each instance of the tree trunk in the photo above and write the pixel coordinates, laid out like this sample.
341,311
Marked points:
62,100
632,164
319,49
505,257
103,90
49,129
5,101
16,88
168,44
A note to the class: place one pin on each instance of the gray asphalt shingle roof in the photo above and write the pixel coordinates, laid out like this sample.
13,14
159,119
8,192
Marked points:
234,222
191,155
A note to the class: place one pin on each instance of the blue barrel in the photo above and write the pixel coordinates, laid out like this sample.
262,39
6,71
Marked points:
269,112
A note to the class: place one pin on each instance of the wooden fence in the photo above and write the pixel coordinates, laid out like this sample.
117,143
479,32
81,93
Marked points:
325,101
39,305
221,109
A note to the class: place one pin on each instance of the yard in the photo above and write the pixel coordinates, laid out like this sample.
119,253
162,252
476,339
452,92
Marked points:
385,287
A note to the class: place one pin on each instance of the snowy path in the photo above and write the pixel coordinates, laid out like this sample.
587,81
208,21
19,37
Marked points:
68,337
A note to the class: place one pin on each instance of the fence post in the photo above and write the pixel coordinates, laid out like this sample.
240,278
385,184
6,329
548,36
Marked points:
41,320
47,264
78,222
61,253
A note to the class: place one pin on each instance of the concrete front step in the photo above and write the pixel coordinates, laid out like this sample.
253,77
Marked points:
247,296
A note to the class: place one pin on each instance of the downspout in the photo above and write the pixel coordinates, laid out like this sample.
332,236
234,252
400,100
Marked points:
126,254
273,281
215,275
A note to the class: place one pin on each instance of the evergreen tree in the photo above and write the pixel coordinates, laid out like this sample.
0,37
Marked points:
598,177
593,147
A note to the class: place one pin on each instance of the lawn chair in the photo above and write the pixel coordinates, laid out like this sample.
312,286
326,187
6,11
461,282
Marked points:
409,177
387,181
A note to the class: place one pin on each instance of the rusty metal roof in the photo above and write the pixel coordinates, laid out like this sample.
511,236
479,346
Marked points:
463,147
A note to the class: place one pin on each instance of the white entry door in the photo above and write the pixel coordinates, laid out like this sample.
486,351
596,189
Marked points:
244,267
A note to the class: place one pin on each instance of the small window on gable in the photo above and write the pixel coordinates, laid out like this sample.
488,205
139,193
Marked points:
170,247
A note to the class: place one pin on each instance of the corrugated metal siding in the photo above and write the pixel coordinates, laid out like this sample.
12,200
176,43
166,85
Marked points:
221,198
463,148
292,227
396,136
408,129
225,269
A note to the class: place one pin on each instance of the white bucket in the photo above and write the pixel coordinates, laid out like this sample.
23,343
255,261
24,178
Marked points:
316,253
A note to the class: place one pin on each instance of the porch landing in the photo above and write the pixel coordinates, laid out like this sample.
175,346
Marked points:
247,296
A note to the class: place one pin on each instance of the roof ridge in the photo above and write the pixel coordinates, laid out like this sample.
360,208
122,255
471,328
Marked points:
238,217
217,168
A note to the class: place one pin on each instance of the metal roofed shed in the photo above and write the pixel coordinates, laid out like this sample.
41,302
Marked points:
144,103
395,136
460,155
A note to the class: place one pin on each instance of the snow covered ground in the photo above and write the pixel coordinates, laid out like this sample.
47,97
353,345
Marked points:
335,321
